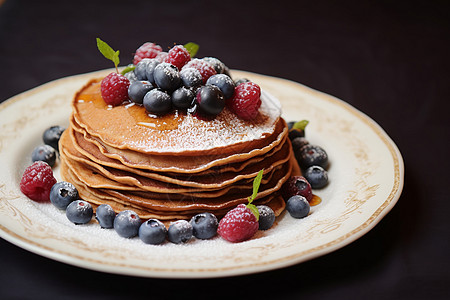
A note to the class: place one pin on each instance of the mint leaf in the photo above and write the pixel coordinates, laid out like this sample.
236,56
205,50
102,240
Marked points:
192,48
127,69
256,184
301,125
254,210
108,52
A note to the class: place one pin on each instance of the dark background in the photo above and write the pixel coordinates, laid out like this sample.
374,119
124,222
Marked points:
389,59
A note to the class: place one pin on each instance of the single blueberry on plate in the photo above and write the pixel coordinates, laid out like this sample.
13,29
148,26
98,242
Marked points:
62,194
44,153
126,223
52,135
180,232
266,217
79,212
204,225
316,176
312,155
105,216
298,207
152,232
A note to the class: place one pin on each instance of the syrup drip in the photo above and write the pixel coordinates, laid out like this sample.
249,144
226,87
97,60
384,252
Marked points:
315,200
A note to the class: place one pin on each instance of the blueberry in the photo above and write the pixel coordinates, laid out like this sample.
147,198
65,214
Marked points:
218,66
191,77
266,217
44,153
204,225
316,176
298,207
126,223
180,232
211,100
150,70
241,80
182,98
298,143
105,216
224,83
138,89
141,69
311,155
79,212
167,77
157,102
152,232
62,194
52,135
297,185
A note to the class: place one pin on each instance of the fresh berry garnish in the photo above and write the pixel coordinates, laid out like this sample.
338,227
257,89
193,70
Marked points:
191,78
210,100
127,223
204,225
37,181
297,129
312,155
241,80
114,89
246,100
52,135
157,102
218,66
147,50
316,176
297,185
105,216
141,68
298,143
266,217
241,223
205,69
62,194
152,232
138,89
224,83
297,206
161,56
177,56
182,98
180,231
44,153
79,212
167,77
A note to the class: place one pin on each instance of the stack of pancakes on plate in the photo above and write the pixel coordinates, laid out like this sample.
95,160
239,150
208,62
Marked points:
175,166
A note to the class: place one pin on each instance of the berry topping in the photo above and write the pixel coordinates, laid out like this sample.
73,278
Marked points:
298,143
37,181
127,223
138,89
143,66
52,135
44,153
182,98
218,66
62,194
210,100
147,50
266,217
114,89
297,185
167,77
297,129
157,102
312,155
105,216
180,232
238,225
152,232
191,77
204,225
177,56
205,69
79,212
224,83
297,206
316,176
246,100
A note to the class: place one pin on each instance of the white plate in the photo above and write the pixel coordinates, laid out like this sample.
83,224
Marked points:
366,179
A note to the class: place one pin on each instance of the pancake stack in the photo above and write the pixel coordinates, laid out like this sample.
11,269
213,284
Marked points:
175,166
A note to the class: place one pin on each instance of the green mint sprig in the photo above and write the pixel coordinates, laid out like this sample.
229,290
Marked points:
192,48
108,52
301,125
256,184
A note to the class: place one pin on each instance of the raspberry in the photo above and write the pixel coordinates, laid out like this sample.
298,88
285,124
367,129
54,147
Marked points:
114,88
205,68
161,56
178,56
246,100
238,225
37,181
147,50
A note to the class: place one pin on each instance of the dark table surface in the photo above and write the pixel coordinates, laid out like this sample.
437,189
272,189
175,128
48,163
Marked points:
389,59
